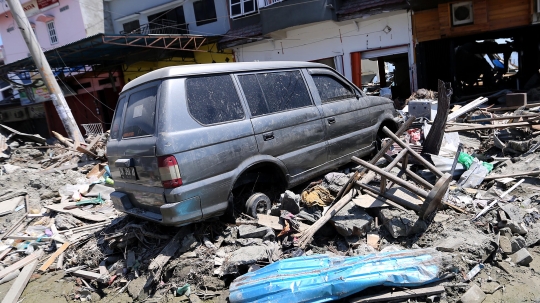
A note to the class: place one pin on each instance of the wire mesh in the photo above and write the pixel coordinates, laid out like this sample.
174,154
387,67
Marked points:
93,128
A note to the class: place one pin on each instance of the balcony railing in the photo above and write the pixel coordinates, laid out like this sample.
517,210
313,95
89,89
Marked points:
265,3
160,27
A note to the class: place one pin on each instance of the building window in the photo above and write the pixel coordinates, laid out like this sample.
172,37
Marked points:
205,12
10,29
242,7
131,27
170,22
52,32
64,8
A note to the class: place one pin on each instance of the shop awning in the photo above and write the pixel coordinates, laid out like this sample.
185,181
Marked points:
104,52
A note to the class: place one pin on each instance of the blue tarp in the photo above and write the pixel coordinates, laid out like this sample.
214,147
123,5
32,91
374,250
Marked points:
320,278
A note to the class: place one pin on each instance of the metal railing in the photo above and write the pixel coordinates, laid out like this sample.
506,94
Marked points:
161,27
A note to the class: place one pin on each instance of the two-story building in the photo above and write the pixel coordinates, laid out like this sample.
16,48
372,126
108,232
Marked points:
96,46
481,46
369,42
207,18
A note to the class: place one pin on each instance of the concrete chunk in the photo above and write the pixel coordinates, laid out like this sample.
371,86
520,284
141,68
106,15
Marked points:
522,257
518,243
506,245
401,223
473,295
251,231
449,244
352,220
290,202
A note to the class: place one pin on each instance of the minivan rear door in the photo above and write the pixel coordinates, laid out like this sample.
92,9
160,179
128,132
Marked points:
286,123
131,149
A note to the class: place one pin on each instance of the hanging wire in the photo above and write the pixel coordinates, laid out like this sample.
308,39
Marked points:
92,112
65,65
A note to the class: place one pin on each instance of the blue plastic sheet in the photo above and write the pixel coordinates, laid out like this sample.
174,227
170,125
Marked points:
320,278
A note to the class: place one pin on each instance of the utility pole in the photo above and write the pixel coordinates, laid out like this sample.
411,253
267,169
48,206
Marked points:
45,70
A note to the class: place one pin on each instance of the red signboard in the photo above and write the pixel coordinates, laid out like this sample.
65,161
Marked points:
45,3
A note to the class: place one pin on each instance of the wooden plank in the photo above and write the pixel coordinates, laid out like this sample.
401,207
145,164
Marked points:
373,240
29,238
13,227
79,213
8,206
269,221
86,151
273,222
53,257
400,295
367,201
55,169
86,274
166,253
5,252
60,262
12,296
492,126
21,263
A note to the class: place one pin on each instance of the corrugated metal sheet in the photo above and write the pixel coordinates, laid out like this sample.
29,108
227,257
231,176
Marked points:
321,278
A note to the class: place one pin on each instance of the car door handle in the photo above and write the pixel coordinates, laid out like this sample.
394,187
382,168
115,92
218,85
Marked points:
331,120
268,136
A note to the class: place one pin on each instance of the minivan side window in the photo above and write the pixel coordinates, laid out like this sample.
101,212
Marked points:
213,99
140,113
268,93
117,120
330,89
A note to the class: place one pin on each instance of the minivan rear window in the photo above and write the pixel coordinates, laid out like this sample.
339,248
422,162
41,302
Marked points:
268,93
213,99
140,113
117,120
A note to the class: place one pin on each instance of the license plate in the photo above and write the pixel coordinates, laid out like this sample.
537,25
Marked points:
128,173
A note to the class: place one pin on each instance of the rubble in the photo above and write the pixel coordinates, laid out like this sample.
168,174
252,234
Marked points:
483,212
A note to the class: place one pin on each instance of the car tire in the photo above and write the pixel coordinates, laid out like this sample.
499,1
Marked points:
258,203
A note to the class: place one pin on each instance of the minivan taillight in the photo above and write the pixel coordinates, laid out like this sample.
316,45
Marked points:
169,171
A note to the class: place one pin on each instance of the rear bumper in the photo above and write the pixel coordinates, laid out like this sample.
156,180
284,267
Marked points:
175,214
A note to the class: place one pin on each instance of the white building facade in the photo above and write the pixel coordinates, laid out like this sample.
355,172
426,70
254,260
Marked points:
356,47
54,22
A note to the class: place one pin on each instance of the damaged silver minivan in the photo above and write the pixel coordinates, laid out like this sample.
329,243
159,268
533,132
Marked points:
192,142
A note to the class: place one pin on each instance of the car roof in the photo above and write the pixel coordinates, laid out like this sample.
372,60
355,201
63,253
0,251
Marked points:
217,68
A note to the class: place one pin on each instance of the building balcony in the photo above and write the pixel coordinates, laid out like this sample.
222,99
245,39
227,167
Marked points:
160,27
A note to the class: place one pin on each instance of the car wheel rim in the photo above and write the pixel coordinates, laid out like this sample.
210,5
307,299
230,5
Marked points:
261,207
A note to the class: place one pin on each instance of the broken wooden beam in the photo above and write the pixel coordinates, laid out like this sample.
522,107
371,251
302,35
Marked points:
15,291
491,126
369,177
86,274
21,263
62,139
166,253
53,257
467,108
522,174
433,142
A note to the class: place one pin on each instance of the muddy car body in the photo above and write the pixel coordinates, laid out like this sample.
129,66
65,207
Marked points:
184,138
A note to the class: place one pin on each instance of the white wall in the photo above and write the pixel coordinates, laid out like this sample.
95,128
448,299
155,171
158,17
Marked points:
69,27
330,39
123,11
93,17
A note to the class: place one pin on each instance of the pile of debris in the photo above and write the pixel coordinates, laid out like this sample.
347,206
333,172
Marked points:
446,211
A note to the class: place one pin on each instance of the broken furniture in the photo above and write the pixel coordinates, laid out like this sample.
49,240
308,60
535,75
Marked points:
433,198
